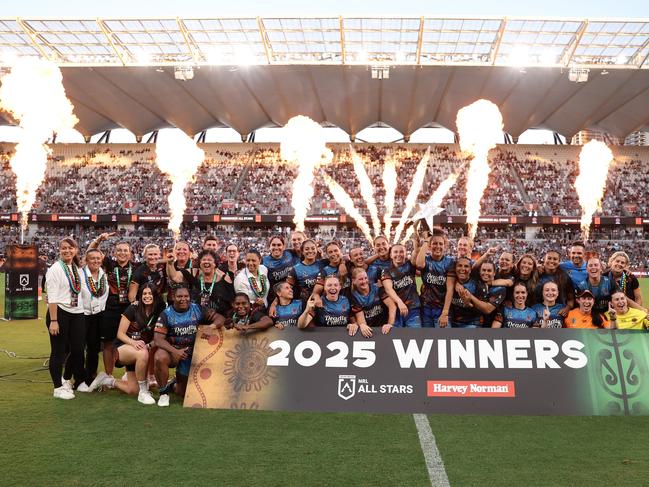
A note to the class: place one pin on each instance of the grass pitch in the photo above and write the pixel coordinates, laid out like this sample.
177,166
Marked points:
110,439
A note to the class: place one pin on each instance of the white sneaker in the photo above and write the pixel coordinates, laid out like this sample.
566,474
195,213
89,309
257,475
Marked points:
63,393
145,397
97,382
163,402
83,387
67,385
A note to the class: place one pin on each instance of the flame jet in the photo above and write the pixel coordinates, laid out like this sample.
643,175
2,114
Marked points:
303,141
594,160
33,93
179,157
480,126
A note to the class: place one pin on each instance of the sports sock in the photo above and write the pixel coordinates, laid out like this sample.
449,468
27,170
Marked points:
144,386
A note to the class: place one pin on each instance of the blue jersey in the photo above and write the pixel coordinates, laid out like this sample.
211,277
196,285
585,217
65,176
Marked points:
517,318
463,315
288,315
376,268
555,320
278,269
404,283
372,306
495,296
433,280
345,285
180,328
562,281
333,313
602,292
576,274
305,277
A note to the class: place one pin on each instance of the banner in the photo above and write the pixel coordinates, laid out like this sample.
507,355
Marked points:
21,282
526,372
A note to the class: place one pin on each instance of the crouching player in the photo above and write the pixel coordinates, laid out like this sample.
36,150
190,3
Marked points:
174,336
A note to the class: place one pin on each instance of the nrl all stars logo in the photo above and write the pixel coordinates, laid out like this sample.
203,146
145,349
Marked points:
349,386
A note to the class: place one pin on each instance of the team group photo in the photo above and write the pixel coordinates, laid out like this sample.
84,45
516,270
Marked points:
313,248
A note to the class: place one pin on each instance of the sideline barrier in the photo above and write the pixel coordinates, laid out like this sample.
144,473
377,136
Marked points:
521,372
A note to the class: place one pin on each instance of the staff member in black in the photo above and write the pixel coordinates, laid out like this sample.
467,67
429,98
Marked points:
120,272
64,319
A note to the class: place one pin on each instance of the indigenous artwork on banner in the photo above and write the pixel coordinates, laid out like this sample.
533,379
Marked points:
526,372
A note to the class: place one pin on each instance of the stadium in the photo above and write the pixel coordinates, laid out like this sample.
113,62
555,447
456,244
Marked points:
576,79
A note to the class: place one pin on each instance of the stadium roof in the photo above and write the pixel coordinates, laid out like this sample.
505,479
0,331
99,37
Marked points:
253,72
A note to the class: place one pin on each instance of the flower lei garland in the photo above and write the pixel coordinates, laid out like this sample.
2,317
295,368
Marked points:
73,278
263,282
96,289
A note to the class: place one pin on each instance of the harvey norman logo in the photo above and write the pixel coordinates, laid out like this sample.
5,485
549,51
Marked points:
453,388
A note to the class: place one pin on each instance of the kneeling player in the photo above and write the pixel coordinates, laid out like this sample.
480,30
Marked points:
174,336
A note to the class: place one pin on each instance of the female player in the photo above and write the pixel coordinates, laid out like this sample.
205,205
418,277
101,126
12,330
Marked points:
288,310
370,305
519,315
335,309
548,312
133,344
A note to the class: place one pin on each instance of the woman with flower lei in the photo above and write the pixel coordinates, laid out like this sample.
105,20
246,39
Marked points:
64,320
253,280
94,294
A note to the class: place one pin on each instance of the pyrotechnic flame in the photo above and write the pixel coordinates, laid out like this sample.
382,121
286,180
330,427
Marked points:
443,189
594,160
367,190
390,187
303,141
411,199
408,234
480,126
179,157
344,200
33,93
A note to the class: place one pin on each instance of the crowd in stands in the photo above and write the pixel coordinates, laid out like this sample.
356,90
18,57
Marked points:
252,178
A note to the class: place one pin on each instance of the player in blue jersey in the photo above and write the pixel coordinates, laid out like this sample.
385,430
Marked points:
469,303
304,275
576,266
602,287
335,309
380,261
437,280
548,312
496,294
287,310
519,315
336,265
551,272
174,337
371,306
279,263
400,283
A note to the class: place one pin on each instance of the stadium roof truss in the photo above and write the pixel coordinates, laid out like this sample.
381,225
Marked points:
131,73
331,40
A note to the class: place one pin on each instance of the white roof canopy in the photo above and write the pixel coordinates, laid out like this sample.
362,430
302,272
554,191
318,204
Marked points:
254,72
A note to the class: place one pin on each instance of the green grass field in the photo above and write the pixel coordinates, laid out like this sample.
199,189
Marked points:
109,439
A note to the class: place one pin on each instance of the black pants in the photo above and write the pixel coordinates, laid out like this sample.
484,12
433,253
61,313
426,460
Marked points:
93,346
72,338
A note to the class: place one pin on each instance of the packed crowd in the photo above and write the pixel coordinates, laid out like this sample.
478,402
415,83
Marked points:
247,178
144,317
